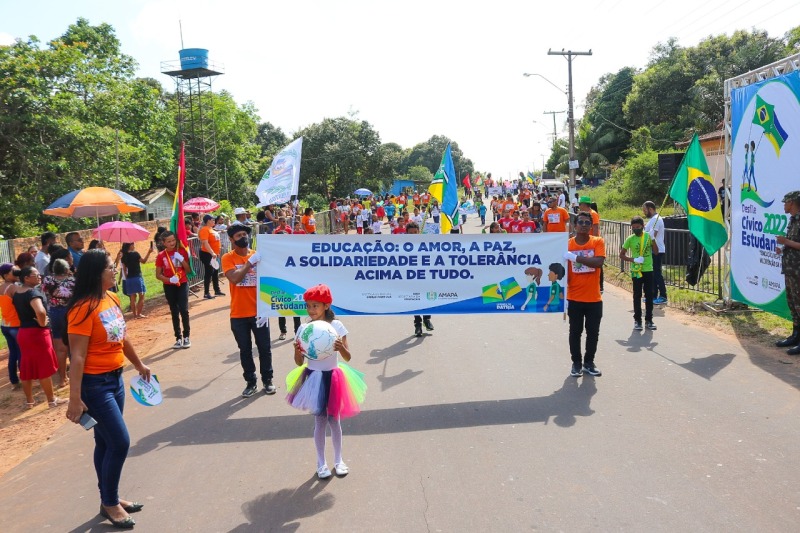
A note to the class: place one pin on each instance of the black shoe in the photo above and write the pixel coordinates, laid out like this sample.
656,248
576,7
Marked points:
794,351
269,388
418,330
428,324
576,371
637,326
650,326
218,293
249,390
134,507
592,370
791,340
208,296
126,523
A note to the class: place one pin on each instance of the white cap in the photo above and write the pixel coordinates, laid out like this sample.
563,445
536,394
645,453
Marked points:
239,211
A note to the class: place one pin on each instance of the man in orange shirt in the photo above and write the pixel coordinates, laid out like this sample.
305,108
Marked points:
509,205
555,218
416,199
239,266
585,257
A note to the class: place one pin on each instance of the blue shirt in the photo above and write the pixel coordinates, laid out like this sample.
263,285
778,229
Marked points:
76,257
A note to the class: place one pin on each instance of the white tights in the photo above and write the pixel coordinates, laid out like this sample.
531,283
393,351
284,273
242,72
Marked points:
320,423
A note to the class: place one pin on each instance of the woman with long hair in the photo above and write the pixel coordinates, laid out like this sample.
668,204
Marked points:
210,256
58,286
135,288
38,359
170,270
97,341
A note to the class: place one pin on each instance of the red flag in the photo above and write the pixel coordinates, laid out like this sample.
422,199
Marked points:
176,223
466,182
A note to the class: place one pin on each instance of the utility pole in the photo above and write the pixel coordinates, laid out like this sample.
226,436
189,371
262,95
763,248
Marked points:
569,54
555,131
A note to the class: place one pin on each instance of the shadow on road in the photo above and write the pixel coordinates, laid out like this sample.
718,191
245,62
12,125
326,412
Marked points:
383,355
216,425
279,511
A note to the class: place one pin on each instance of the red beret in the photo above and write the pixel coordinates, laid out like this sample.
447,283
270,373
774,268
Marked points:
318,293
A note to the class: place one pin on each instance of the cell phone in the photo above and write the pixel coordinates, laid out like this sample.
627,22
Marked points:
87,421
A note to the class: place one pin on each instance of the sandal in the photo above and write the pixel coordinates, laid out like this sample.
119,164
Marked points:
57,402
30,405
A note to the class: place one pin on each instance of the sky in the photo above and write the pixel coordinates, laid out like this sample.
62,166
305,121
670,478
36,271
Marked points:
412,69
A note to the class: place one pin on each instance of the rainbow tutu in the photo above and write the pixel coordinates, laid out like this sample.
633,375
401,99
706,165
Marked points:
337,392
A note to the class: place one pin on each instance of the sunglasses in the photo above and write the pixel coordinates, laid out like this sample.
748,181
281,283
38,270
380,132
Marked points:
584,222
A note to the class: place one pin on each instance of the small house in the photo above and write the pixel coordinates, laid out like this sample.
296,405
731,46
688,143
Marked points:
157,202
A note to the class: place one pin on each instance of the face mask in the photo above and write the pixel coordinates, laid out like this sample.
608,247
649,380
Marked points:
637,231
241,243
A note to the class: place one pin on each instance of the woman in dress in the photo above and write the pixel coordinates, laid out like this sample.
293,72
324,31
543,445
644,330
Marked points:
38,359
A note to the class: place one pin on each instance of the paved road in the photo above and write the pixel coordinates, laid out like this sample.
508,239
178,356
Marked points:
475,427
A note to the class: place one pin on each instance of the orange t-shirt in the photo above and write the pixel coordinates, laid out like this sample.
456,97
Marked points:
245,293
509,206
556,219
207,233
595,222
10,318
583,282
105,327
309,225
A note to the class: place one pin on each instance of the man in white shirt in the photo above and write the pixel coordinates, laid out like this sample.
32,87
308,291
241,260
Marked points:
655,227
562,200
42,258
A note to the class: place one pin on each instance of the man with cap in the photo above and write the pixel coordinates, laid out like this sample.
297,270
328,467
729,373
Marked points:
585,204
240,213
239,266
790,268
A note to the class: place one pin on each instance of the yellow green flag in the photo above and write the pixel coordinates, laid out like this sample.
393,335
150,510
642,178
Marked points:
694,189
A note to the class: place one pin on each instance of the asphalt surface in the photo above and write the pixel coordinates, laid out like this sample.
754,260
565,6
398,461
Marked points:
476,426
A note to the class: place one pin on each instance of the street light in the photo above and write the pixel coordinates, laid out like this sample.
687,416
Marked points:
529,74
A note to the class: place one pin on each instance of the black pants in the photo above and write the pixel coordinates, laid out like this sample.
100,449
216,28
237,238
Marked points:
242,328
418,319
211,274
282,324
646,283
582,314
178,299
659,287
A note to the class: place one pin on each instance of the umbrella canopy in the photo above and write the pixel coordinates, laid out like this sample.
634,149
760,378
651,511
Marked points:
200,205
94,202
120,231
363,192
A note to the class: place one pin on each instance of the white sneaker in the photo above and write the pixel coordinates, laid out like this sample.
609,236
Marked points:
187,343
178,344
323,472
341,469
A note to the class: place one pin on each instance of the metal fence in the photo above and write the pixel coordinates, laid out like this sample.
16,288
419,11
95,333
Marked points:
199,270
674,265
6,252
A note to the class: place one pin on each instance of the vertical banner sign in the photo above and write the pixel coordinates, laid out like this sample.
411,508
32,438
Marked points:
414,274
765,156
280,181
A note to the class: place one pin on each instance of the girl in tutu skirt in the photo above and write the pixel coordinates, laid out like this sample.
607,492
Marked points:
326,387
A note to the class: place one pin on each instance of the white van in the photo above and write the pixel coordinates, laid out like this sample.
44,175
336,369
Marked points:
554,187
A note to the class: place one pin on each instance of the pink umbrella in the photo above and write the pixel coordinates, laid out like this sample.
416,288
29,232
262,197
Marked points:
200,205
120,231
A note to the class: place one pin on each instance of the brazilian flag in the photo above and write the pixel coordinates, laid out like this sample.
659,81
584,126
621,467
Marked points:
765,117
694,189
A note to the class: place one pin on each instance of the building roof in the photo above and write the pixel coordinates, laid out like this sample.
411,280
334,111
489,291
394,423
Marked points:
151,195
718,134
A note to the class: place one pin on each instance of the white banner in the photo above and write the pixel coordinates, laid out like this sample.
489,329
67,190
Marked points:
414,274
281,180
765,155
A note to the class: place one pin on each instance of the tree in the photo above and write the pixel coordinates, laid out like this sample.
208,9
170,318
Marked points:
429,154
419,173
604,111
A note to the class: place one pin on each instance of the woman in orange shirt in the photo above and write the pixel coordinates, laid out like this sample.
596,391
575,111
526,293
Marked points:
98,345
309,224
9,319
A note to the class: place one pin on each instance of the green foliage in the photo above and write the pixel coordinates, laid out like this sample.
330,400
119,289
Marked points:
429,155
225,208
604,111
640,178
419,173
317,202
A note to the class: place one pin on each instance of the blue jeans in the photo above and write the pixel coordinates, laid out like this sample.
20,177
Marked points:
241,328
13,353
659,287
104,396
